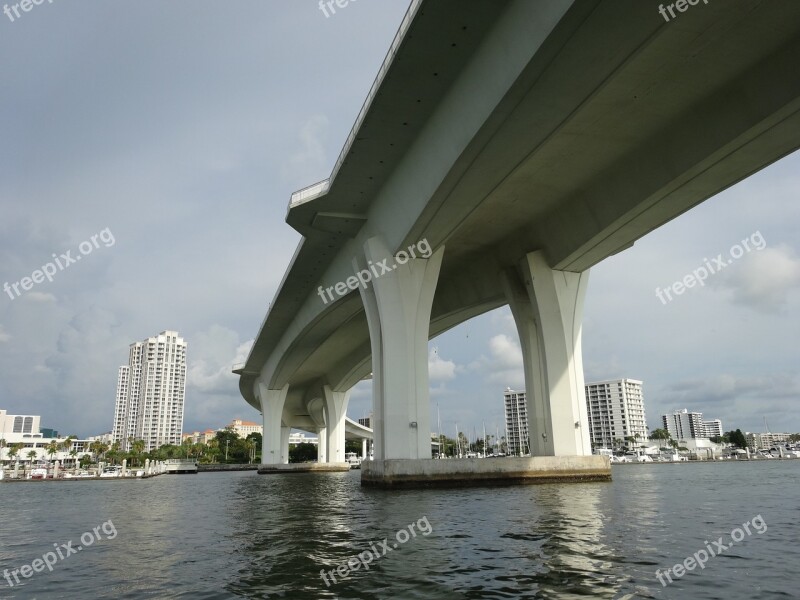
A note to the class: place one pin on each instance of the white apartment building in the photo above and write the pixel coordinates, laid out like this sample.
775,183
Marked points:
616,411
685,425
297,437
151,390
25,430
765,441
712,428
18,424
516,409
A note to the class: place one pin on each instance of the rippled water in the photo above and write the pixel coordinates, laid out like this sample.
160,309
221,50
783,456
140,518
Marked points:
233,535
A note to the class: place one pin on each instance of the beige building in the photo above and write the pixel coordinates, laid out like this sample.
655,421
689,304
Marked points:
245,428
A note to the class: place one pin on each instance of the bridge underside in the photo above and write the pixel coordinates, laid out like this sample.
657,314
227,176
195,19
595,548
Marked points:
523,142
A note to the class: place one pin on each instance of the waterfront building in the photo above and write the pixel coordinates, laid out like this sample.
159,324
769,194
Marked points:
516,410
151,390
245,428
712,428
366,421
25,430
298,437
765,441
200,437
684,425
616,411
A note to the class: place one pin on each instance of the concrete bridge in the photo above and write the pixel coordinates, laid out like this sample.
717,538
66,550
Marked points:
504,149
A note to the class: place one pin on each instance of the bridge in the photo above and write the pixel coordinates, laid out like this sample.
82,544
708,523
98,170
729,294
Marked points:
504,149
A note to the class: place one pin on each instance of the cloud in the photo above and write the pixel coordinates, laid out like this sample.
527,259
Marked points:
763,280
43,297
439,369
211,356
504,363
310,159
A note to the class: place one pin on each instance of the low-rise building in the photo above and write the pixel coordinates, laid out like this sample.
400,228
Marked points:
245,428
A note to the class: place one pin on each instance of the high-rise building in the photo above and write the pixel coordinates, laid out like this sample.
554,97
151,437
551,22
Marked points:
151,390
616,411
712,428
684,425
516,422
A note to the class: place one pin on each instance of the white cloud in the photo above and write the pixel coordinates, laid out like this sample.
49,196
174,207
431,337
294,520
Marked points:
504,363
763,279
439,369
43,297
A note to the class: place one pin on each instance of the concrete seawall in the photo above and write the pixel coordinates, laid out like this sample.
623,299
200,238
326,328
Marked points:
463,472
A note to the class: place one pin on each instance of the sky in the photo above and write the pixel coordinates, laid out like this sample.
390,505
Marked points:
175,132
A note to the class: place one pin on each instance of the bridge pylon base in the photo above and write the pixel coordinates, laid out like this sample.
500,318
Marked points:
468,472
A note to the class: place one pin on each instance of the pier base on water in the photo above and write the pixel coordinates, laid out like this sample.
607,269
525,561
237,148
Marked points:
303,468
465,472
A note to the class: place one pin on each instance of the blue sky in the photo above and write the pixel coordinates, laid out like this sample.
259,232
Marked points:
183,127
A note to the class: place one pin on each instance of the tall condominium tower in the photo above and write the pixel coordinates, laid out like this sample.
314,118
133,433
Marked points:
616,412
151,390
516,422
683,425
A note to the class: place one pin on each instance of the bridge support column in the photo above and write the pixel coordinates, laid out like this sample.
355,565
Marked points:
336,408
322,445
273,451
364,448
548,309
285,431
398,308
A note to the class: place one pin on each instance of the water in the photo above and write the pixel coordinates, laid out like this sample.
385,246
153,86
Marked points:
241,535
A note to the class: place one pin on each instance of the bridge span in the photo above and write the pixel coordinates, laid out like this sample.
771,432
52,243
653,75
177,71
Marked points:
505,148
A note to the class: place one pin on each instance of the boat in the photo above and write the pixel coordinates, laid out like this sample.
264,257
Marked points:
181,466
113,471
39,473
353,460
79,475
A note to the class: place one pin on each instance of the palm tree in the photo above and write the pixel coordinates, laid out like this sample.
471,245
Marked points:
74,454
137,448
52,448
14,449
32,455
250,446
